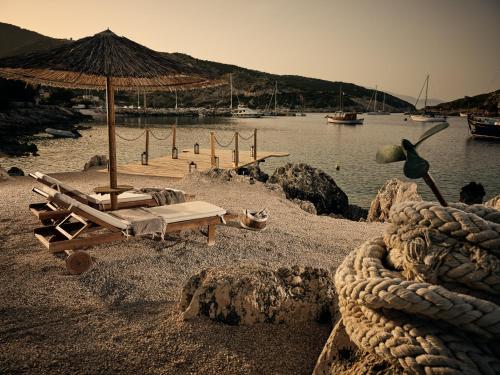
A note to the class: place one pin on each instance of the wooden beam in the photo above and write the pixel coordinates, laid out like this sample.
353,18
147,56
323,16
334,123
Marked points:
110,98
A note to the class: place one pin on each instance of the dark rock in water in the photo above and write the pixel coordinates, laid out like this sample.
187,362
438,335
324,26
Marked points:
246,295
306,183
15,171
96,161
255,172
472,193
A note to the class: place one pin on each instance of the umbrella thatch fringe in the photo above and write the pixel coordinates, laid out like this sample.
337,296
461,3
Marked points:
74,80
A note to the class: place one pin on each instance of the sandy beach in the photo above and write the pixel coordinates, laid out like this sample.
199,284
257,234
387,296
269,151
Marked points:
122,316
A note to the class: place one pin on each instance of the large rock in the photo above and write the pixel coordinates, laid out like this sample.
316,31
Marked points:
306,183
247,295
4,176
493,202
96,161
306,206
393,192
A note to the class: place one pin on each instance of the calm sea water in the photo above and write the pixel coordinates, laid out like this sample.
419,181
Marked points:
455,158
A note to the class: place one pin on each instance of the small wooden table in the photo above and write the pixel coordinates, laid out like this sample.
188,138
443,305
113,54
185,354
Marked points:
113,192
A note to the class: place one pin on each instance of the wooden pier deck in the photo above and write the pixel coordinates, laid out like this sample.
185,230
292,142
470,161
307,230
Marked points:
165,166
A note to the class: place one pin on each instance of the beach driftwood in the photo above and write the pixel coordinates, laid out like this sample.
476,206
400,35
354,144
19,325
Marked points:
426,294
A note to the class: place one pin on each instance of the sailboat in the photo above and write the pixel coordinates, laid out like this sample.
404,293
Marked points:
242,110
375,112
341,117
427,116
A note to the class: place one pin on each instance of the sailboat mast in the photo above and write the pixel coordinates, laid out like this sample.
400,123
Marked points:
375,102
176,100
383,105
138,103
340,97
426,91
231,83
275,95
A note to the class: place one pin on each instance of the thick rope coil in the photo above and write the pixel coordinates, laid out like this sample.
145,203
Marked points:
131,139
426,293
160,138
224,145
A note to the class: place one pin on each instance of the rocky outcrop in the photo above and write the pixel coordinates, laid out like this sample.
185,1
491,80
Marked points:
356,213
4,176
306,206
301,181
222,174
255,172
96,161
493,202
247,295
393,192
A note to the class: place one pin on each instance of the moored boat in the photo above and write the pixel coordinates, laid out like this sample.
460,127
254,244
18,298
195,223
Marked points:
484,126
428,117
348,118
58,133
244,111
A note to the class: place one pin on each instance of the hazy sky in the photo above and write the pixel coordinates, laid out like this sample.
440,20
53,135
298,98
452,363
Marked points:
392,43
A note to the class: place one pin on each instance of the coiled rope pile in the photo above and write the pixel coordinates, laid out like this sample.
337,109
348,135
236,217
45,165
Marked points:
426,294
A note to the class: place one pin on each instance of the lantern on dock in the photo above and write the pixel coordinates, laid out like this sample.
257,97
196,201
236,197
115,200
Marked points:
175,153
192,166
196,148
252,148
144,158
234,156
217,162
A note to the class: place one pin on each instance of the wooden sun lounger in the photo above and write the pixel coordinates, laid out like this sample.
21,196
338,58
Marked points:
49,211
85,226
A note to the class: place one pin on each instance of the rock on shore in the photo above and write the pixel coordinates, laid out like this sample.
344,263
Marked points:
301,181
394,191
247,295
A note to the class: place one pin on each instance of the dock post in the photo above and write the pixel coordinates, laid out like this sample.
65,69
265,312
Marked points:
174,137
212,148
147,146
255,144
236,150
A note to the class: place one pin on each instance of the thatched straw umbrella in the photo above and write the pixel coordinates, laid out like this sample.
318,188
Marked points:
105,61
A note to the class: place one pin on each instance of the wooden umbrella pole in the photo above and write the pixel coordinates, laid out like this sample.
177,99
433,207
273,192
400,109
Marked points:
113,182
430,182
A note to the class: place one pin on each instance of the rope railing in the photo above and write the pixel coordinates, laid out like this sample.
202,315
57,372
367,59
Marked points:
246,138
226,144
160,138
130,139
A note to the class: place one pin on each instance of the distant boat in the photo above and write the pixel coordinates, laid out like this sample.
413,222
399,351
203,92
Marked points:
375,112
484,126
348,118
341,117
464,114
58,133
244,111
427,116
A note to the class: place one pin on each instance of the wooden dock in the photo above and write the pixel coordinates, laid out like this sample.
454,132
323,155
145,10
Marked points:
165,166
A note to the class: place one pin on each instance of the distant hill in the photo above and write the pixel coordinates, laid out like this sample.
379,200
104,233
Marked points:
412,100
251,87
16,40
484,103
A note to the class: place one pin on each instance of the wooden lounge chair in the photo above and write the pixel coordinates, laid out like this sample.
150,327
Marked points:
48,211
85,226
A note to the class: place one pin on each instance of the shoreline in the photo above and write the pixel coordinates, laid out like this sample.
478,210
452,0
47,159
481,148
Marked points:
128,300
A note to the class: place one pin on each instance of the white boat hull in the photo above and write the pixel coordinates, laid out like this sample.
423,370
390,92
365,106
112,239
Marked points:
424,118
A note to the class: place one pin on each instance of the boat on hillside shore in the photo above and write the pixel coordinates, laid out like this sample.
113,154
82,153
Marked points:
245,112
348,118
484,126
464,114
